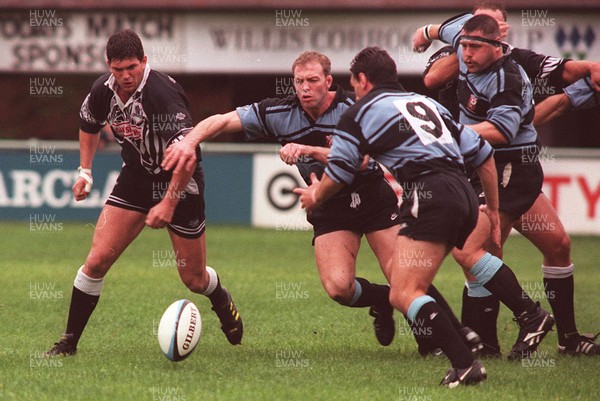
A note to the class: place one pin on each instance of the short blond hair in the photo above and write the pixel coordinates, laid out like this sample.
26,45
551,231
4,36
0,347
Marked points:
312,56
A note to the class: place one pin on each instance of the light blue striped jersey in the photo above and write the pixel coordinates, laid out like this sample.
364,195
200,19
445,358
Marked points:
408,133
284,119
501,95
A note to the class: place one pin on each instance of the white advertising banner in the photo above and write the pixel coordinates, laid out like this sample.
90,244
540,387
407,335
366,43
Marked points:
54,40
571,184
273,202
573,187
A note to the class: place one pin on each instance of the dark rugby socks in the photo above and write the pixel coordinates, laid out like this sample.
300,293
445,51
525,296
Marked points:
500,280
426,314
84,298
558,283
481,315
368,294
214,291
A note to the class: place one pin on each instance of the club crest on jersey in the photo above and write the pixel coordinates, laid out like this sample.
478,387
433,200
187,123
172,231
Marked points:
472,103
329,140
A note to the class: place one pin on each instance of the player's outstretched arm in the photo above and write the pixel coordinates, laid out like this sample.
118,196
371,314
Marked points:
88,143
291,153
182,155
551,108
576,69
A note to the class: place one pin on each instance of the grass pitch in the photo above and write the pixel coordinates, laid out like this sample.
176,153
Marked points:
298,344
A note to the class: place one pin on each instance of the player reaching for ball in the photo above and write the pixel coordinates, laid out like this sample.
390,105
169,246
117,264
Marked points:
130,99
304,124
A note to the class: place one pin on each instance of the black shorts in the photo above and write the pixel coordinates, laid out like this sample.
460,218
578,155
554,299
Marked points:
372,206
519,185
139,192
439,207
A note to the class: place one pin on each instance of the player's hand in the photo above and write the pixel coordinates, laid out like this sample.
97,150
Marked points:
495,232
308,198
420,43
292,152
504,27
180,156
160,215
78,189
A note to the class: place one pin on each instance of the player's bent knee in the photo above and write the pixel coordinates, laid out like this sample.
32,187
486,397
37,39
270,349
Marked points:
96,267
464,259
341,294
562,247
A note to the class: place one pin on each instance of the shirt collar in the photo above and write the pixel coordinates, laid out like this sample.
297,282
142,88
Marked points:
111,83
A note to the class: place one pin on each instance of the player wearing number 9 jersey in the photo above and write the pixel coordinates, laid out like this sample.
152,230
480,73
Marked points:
424,148
303,123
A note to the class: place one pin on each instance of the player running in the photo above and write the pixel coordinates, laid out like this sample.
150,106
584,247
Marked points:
129,99
419,142
304,124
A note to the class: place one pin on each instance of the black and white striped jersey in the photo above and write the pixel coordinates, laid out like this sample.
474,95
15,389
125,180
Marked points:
155,116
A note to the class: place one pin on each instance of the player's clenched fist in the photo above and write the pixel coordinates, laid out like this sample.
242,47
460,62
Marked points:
83,184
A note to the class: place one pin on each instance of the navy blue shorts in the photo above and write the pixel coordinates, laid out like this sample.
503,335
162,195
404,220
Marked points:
370,207
139,192
439,207
519,185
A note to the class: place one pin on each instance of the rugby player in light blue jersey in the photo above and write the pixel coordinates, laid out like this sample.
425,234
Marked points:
548,75
425,149
303,123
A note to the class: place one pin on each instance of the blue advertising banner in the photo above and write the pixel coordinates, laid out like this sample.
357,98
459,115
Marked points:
35,185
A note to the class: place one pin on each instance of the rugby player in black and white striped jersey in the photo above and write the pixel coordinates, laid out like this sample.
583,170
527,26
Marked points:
147,112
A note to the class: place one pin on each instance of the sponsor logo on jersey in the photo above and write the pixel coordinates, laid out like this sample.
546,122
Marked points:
127,130
472,104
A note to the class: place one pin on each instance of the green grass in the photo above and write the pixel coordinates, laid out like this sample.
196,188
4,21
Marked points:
332,349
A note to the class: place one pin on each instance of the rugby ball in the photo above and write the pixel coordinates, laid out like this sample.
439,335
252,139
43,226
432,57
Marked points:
179,330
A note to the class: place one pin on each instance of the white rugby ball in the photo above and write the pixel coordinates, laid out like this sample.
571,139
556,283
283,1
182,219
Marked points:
179,330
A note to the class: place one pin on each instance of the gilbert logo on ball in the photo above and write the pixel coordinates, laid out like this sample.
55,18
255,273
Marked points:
179,330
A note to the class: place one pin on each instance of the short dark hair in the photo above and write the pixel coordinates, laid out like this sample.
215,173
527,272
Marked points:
376,64
491,6
124,45
487,25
